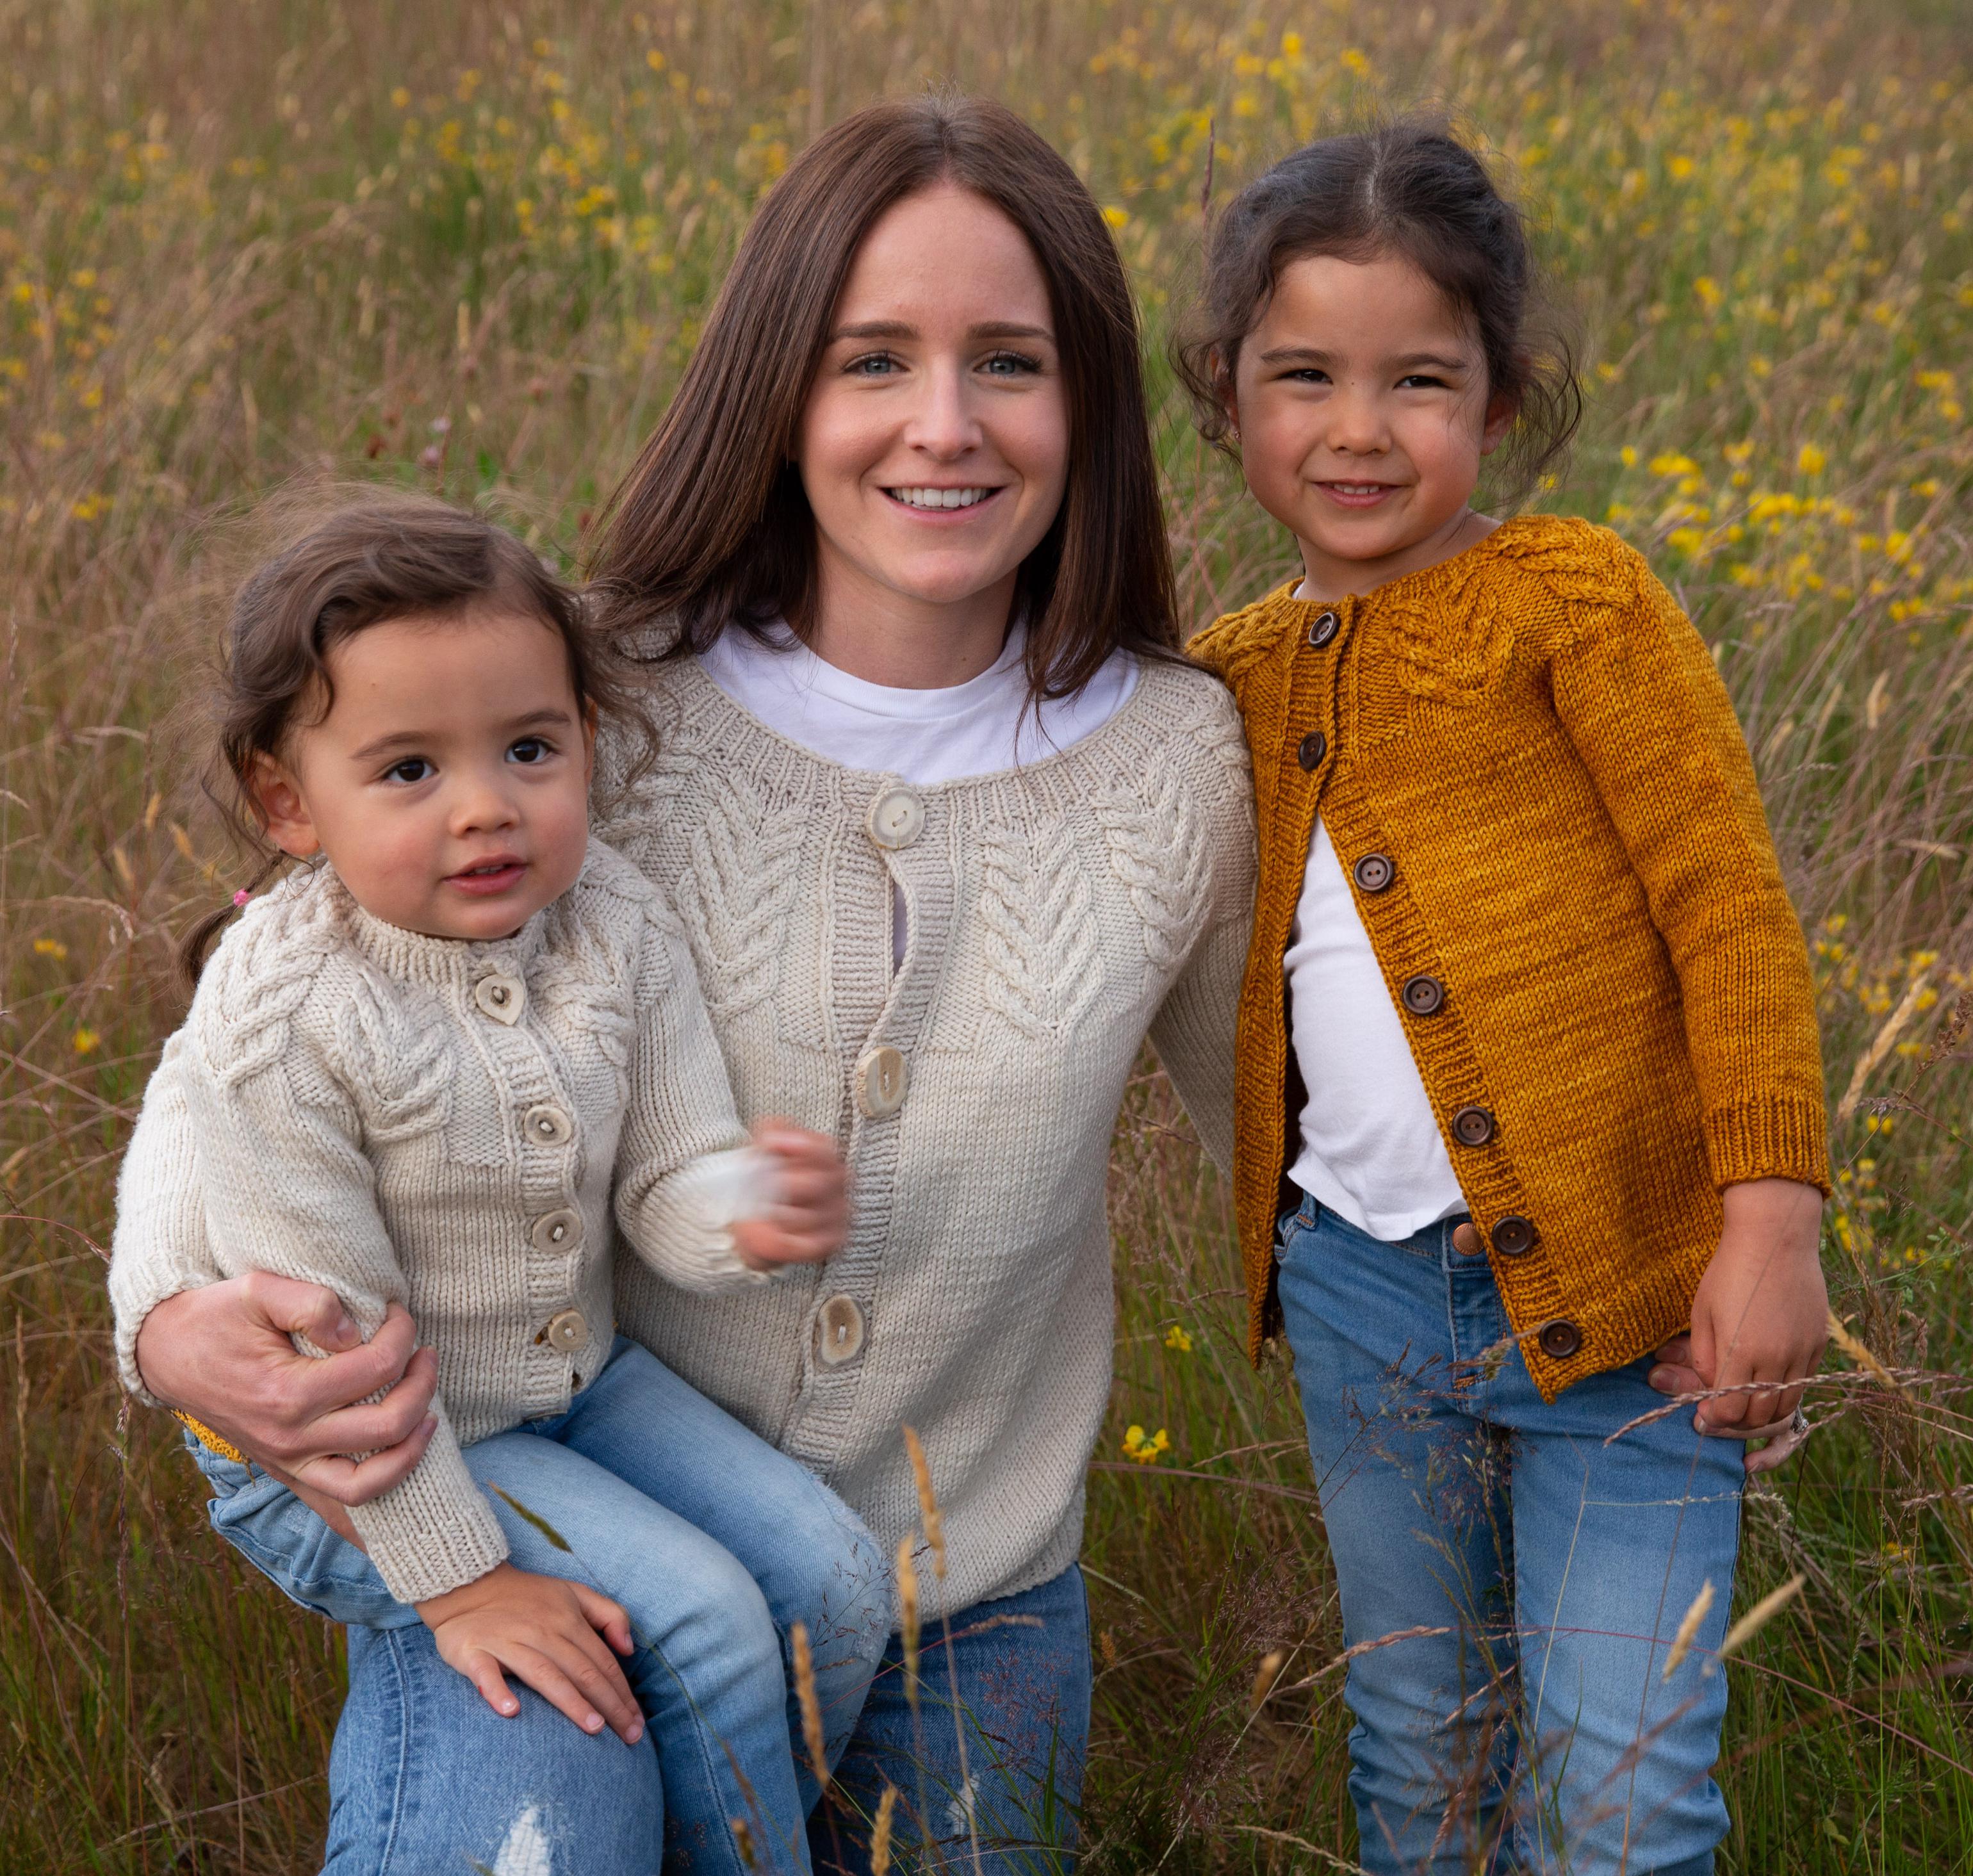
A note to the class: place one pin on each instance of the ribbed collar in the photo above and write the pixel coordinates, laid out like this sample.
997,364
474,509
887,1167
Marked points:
1409,588
413,957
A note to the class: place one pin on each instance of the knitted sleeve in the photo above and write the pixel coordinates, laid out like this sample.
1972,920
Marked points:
288,1189
160,1246
1642,701
685,1173
1193,1029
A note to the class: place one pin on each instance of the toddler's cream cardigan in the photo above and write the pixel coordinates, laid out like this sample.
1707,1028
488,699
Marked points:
440,1123
1055,913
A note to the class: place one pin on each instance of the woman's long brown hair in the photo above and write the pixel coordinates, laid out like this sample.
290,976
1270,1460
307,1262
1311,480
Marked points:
711,527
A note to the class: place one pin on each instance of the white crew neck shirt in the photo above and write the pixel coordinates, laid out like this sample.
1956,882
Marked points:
983,726
1370,1148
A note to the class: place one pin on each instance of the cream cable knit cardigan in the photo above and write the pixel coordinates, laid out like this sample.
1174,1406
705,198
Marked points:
1056,913
441,1124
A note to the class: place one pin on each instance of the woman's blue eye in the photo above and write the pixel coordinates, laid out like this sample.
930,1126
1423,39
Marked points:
531,749
1012,365
412,769
875,365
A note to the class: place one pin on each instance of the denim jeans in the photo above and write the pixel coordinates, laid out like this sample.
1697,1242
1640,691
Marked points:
1530,1570
1015,1687
715,1544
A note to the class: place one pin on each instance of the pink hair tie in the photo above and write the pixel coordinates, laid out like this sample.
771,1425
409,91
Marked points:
242,896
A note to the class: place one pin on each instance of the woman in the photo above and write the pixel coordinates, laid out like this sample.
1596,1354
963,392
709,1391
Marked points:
951,829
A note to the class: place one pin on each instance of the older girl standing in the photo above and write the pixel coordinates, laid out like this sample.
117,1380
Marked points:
951,831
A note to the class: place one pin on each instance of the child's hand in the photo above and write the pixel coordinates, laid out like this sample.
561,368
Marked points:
811,1215
546,1631
1760,1314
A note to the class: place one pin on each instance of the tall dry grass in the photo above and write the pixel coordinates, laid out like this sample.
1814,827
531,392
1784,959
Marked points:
467,246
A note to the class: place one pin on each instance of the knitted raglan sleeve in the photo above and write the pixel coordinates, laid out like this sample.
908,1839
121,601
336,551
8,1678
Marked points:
1193,1029
1643,703
685,1173
288,1189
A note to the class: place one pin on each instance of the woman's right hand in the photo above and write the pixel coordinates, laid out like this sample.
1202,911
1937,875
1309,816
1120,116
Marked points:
221,1352
549,1633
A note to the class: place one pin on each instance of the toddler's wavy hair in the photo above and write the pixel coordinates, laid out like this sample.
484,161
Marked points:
1407,187
369,561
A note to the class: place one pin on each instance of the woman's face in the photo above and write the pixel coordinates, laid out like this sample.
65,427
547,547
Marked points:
934,447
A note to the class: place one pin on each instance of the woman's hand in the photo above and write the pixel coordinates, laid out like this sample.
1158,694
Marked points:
811,1215
548,1632
1759,1319
222,1353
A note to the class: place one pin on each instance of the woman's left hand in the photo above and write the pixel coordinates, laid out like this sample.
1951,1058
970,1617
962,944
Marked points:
1760,1321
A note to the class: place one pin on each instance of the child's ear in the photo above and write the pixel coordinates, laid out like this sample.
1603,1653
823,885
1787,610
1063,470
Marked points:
1502,409
276,798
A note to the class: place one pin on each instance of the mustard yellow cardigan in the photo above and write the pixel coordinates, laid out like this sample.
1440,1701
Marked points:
1534,782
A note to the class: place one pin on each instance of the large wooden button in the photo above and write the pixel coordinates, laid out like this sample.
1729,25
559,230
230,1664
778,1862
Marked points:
1374,871
1314,746
567,1332
896,818
838,1332
501,996
1558,1339
883,1076
1473,1126
1514,1236
557,1230
547,1125
1324,628
1423,996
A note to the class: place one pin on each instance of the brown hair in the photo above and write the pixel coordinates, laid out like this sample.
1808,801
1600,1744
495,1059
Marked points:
1409,188
712,525
378,558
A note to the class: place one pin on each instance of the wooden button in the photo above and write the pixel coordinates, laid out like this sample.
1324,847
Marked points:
567,1332
547,1125
1325,627
1473,1126
882,1077
1423,996
838,1332
1558,1339
896,818
1374,871
557,1230
1314,746
501,996
1514,1236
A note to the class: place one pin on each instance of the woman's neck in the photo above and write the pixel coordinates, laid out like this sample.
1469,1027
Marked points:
905,643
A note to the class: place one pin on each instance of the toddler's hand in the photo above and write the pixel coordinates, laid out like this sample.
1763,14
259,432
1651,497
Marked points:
811,1215
549,1633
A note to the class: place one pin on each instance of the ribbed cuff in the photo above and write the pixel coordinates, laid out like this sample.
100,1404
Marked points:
132,1299
1774,1137
683,1230
434,1532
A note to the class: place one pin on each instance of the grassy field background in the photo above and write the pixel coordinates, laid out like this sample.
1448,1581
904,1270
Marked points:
467,246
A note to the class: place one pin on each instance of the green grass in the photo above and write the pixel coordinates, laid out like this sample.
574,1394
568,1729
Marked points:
468,246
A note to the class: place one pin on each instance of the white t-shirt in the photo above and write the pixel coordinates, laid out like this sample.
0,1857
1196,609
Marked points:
1371,1149
980,728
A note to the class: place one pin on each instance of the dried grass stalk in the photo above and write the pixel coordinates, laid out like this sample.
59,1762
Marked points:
810,1705
934,1524
1681,1642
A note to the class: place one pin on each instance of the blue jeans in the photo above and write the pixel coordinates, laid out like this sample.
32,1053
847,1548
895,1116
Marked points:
1529,1725
1014,1687
714,1542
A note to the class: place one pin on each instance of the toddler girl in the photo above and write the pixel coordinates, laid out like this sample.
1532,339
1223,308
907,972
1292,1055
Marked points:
443,1063
1528,1074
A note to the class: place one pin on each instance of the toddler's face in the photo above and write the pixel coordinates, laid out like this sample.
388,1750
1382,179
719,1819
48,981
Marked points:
449,783
1362,403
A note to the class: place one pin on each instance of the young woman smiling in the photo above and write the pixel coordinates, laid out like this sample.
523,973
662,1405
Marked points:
950,829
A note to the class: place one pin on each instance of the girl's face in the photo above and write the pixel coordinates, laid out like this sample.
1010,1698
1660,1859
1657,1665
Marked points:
934,447
449,783
1362,405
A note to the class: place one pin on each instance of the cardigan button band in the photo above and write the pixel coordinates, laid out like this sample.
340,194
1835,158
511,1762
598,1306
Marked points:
883,1076
566,1331
1325,628
838,1332
1473,1126
896,818
557,1230
1314,746
1423,996
1558,1339
1375,871
1514,1236
547,1125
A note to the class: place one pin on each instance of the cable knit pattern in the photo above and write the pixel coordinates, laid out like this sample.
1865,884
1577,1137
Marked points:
440,1124
1583,886
1047,938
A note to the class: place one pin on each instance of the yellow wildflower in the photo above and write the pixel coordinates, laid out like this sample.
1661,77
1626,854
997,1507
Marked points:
1177,1337
1146,1450
86,1041
50,948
